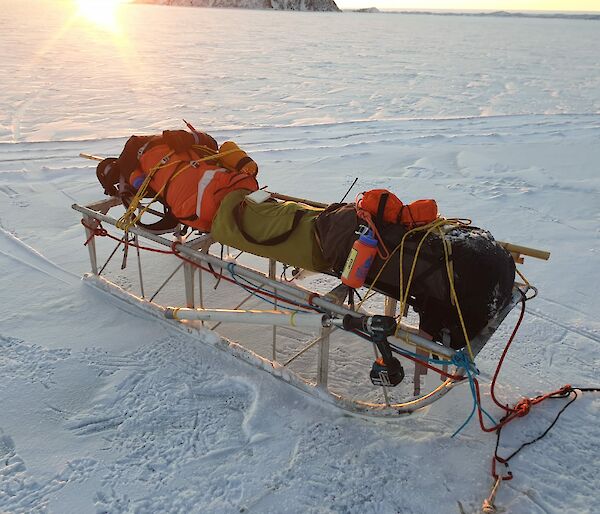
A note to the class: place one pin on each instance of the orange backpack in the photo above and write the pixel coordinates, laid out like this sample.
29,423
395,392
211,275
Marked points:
419,212
192,189
383,205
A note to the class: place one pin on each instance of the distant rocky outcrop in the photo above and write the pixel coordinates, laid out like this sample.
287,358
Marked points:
367,9
507,14
280,5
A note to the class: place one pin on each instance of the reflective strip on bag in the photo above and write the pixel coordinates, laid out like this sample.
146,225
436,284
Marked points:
202,185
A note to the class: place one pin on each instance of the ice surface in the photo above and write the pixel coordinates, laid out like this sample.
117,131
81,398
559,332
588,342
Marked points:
104,409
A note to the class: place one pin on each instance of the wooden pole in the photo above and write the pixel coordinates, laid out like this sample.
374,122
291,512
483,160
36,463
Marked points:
524,250
91,157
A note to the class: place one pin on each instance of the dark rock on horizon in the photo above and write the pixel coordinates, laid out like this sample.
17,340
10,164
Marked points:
280,5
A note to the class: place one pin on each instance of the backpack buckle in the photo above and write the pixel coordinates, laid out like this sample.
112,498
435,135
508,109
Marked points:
362,230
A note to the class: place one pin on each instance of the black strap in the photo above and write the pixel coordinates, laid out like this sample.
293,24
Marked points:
192,217
242,162
167,222
238,212
381,209
410,214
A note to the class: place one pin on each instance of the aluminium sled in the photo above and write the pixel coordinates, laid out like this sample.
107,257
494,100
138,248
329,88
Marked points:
302,354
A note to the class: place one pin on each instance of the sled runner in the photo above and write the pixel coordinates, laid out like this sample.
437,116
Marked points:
405,263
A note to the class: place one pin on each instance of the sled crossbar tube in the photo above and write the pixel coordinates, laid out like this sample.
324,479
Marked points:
525,250
296,292
281,319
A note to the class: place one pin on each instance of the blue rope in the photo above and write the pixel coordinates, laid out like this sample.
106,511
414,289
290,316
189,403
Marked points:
234,276
461,360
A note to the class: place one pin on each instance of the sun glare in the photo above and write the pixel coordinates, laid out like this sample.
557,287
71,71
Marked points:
101,12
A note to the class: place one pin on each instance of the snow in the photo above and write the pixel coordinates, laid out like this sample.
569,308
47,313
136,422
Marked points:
104,408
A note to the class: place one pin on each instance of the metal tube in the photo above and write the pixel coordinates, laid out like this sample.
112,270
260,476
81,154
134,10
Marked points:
166,282
188,274
91,240
281,319
235,309
323,358
139,260
307,347
272,276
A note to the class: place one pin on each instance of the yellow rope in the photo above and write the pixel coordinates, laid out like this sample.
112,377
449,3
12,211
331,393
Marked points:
145,209
428,229
124,222
455,296
212,154
522,277
385,262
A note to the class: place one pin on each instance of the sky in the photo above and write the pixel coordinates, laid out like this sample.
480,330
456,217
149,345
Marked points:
479,5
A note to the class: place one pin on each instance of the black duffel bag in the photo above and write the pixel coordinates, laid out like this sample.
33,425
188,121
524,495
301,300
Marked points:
484,271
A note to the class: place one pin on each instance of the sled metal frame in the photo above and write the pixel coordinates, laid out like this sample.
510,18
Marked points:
197,250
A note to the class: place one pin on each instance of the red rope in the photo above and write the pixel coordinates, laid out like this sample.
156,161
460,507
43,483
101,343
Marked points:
102,232
521,408
501,361
253,289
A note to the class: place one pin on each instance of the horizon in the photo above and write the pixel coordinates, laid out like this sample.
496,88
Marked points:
537,6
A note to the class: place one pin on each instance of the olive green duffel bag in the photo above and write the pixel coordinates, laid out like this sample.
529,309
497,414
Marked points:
284,231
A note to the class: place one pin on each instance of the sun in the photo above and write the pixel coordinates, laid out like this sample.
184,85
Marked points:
101,12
